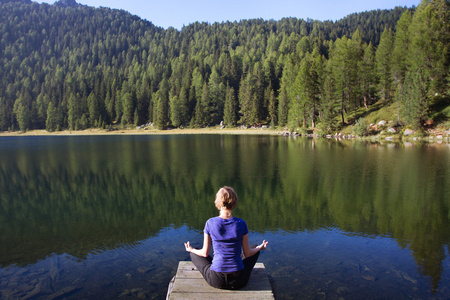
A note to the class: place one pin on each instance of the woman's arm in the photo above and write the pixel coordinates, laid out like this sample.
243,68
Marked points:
206,246
249,251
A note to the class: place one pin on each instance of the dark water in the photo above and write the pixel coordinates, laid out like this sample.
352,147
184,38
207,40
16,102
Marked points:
106,217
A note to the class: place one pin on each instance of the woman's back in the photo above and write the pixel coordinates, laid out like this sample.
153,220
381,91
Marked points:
226,236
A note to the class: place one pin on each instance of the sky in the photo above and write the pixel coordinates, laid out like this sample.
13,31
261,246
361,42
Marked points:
177,13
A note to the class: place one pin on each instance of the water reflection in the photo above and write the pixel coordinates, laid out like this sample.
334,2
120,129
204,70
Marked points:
82,195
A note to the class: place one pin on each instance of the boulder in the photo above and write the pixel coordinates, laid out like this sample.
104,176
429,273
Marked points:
392,130
408,132
382,123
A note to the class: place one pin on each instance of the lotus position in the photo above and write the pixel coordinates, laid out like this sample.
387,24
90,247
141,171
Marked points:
229,238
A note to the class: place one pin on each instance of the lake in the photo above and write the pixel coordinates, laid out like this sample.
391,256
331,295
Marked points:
98,217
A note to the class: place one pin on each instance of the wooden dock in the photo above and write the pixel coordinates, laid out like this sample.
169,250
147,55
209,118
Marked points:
188,283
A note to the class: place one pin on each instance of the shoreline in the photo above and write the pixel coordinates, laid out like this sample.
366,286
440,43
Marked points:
215,130
43,132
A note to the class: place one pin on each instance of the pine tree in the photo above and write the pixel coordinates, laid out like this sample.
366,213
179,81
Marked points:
22,114
341,74
413,97
283,107
367,74
306,93
217,97
245,99
286,93
93,106
161,106
273,116
175,110
401,46
75,112
430,37
329,105
355,54
229,118
384,62
51,121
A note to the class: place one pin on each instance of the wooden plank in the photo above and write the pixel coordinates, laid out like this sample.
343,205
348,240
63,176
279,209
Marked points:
188,283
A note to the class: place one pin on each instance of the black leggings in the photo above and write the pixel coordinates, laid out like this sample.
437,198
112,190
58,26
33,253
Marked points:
222,280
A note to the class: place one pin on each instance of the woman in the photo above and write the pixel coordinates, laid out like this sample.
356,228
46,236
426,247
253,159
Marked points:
228,235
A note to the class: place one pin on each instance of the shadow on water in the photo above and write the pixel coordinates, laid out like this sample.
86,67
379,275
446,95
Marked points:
95,213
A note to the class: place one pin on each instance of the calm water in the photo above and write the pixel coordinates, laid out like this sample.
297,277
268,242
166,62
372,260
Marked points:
106,217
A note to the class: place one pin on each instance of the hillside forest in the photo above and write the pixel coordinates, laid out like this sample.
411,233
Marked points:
70,66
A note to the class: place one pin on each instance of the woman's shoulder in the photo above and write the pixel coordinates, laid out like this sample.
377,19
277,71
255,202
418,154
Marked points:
213,220
239,220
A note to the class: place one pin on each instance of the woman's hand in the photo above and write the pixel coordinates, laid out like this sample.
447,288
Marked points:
188,247
203,251
263,246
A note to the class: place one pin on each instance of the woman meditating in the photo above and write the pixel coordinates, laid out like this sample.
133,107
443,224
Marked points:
228,235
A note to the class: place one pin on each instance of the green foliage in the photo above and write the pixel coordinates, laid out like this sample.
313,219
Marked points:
51,121
401,45
100,66
230,117
413,98
383,58
361,128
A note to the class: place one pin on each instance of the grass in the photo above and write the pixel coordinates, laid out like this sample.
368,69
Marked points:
439,112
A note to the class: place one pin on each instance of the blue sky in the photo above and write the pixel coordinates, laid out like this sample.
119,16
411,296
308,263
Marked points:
176,13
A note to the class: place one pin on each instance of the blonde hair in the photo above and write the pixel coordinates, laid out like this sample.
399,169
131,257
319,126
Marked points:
226,197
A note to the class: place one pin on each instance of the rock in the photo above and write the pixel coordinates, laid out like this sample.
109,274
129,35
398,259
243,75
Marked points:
408,132
143,270
392,130
342,290
382,123
370,278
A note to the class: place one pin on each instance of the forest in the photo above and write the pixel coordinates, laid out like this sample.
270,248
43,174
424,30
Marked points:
70,66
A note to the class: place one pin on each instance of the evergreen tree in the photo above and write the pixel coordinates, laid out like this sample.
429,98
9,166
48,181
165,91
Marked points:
401,46
341,74
22,114
273,116
283,107
413,97
93,106
430,39
217,91
329,105
161,106
175,111
51,122
229,118
245,99
384,63
286,92
367,75
75,112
